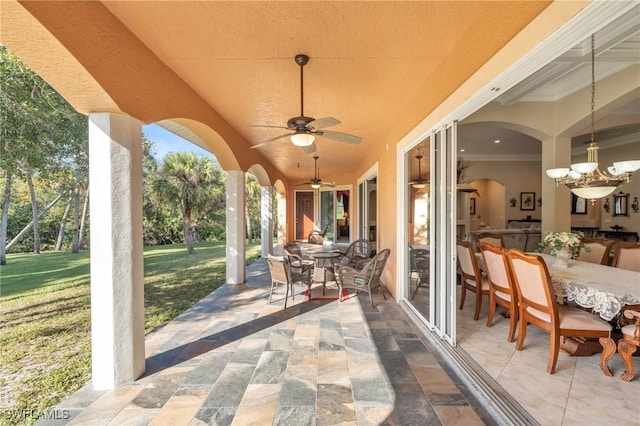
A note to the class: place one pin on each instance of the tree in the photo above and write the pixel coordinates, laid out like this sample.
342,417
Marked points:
188,182
41,136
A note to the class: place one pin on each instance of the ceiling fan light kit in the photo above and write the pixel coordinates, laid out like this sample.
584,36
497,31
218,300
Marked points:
305,129
302,139
586,180
316,182
419,182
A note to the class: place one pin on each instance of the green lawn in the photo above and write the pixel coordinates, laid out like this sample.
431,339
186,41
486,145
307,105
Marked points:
45,315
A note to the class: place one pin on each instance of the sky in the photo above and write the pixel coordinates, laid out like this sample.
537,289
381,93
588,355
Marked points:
165,142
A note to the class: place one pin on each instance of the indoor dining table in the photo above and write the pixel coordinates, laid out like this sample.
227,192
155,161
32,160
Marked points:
604,289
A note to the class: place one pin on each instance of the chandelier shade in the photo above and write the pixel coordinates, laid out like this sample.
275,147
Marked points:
586,180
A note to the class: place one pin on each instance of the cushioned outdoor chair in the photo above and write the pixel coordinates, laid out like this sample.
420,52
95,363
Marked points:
357,254
365,279
299,263
418,267
281,273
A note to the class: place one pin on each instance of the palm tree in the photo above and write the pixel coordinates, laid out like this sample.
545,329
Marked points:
188,182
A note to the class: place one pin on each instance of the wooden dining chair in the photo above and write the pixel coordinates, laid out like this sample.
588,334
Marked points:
599,250
502,289
495,240
627,256
537,306
470,276
627,346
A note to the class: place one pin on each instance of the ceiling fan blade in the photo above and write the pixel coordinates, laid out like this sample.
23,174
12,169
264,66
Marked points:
304,183
268,127
270,140
309,149
340,137
328,185
322,123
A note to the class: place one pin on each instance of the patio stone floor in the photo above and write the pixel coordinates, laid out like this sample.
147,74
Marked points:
235,359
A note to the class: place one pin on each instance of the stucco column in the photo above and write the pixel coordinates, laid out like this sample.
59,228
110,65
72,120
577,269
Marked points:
282,218
266,219
556,201
117,271
235,227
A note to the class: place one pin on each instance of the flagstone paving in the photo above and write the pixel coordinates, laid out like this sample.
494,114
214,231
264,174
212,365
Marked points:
235,359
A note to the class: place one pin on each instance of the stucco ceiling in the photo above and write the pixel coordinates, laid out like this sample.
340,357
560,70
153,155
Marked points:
378,67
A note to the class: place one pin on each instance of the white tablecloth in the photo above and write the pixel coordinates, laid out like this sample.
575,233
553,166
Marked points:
590,285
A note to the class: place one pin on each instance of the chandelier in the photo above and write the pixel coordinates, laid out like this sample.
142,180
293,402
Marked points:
586,180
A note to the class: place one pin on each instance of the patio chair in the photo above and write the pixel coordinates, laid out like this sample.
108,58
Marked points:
502,289
317,237
627,346
537,306
365,279
357,254
600,250
418,266
299,263
280,271
470,276
627,256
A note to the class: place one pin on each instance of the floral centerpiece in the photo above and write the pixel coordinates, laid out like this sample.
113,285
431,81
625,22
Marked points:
564,245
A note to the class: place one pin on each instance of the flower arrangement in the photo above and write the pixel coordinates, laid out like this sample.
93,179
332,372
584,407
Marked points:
572,241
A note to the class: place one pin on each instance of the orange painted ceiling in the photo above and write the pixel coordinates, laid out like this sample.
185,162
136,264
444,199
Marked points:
378,67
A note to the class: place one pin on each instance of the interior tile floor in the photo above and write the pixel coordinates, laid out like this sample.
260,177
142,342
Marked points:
576,394
235,359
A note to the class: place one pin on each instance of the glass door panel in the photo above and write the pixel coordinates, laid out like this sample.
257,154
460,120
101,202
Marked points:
328,214
431,275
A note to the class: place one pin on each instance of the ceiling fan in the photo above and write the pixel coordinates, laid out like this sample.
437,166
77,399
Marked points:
419,182
316,182
305,129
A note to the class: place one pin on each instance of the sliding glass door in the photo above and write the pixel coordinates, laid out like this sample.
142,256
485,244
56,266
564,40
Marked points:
430,285
334,213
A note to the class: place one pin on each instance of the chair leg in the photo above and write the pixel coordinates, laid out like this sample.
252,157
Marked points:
492,309
286,296
513,323
476,315
371,297
554,348
608,350
626,349
463,294
522,334
271,292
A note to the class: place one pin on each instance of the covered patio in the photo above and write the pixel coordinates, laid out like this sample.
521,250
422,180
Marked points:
233,358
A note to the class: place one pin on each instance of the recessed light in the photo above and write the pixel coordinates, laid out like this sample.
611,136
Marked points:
496,141
462,150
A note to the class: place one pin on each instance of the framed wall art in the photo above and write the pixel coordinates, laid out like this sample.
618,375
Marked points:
527,201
